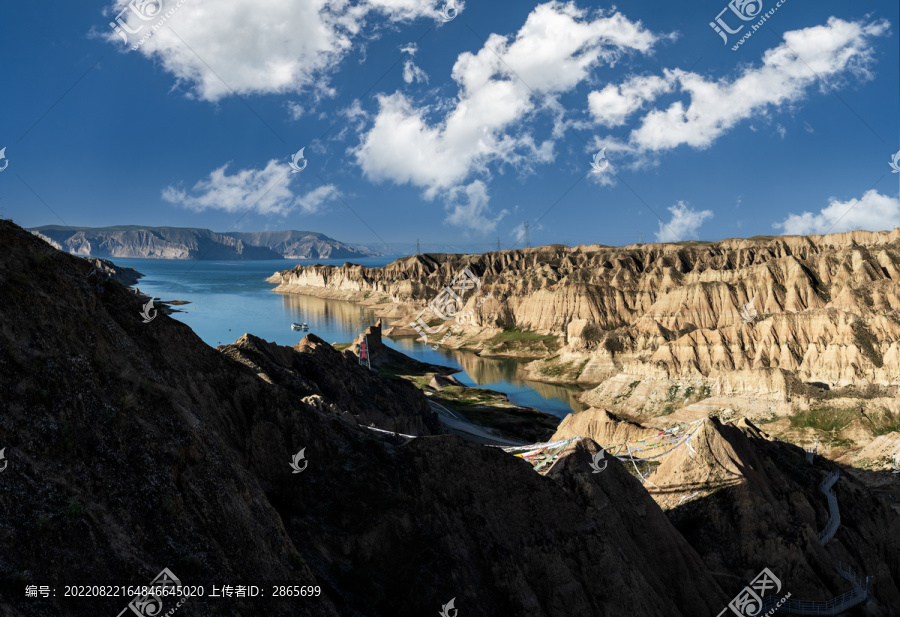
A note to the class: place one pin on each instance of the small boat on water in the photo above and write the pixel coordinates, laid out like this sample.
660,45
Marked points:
300,326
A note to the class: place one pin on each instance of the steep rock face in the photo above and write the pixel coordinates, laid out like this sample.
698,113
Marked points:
193,243
132,447
153,243
746,501
766,508
298,244
825,308
312,368
618,503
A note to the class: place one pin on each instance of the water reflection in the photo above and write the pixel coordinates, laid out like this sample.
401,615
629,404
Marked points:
503,374
328,318
339,321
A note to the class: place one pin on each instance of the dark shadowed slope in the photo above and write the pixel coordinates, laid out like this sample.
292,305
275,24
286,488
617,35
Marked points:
134,447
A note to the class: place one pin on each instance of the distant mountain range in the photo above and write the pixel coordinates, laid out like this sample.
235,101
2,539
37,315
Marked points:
195,243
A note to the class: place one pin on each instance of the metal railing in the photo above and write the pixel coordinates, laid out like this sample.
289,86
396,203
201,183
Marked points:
834,520
834,606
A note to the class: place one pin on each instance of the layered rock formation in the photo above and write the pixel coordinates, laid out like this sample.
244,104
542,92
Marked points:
193,243
292,244
131,447
824,309
746,501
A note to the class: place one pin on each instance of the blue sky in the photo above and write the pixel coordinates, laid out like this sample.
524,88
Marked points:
454,131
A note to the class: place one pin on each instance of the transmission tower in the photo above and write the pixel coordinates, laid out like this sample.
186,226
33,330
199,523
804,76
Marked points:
527,227
418,250
498,244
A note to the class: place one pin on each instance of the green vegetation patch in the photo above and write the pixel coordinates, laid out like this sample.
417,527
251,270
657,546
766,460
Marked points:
884,421
552,367
492,409
825,419
621,397
669,409
866,341
515,340
673,392
645,467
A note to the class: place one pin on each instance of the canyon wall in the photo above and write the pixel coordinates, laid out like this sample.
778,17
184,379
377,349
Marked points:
820,309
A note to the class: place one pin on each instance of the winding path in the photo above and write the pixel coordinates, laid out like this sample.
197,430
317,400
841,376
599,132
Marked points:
454,422
834,606
834,520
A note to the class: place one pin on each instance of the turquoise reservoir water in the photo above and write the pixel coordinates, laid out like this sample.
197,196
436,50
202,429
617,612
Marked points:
229,298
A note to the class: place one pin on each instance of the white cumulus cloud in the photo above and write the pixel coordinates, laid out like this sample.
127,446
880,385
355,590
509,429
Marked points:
872,212
469,208
256,46
412,73
266,191
685,223
612,105
499,86
833,51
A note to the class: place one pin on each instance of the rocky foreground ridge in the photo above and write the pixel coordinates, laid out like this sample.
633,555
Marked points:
133,447
738,494
659,326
